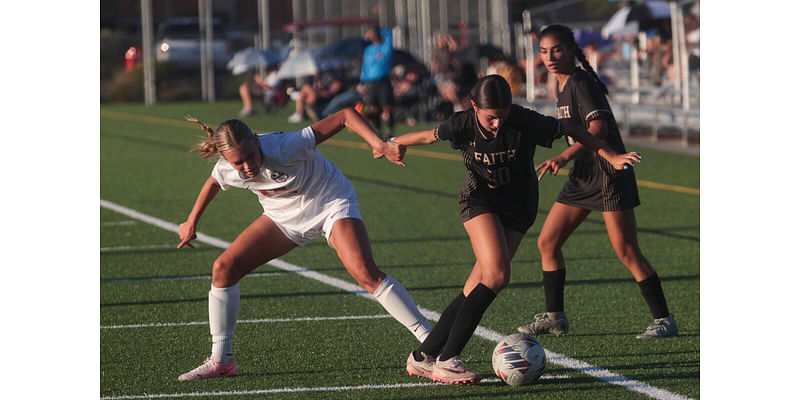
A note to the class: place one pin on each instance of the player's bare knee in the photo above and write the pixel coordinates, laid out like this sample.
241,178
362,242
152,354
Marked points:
222,273
631,257
547,245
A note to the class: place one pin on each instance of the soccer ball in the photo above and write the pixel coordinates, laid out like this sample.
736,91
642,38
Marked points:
518,359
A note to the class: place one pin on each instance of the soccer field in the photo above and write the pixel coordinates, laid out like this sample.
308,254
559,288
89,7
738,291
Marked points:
307,330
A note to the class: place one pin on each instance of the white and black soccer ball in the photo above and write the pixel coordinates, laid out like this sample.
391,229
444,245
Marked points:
518,359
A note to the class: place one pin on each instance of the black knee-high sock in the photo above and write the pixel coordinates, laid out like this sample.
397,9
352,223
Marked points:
553,282
467,320
654,296
438,337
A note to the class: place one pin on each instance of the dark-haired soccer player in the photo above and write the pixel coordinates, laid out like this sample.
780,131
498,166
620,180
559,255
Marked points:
593,185
498,204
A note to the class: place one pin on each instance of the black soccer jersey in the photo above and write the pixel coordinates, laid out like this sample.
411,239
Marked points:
593,183
500,169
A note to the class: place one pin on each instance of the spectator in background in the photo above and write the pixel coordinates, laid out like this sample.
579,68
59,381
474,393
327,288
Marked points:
314,97
499,65
376,68
443,66
407,91
267,90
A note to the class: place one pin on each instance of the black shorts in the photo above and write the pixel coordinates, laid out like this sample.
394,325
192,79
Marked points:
379,93
601,191
516,219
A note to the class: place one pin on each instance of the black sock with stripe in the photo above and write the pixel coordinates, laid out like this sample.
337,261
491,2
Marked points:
467,320
553,282
438,337
654,296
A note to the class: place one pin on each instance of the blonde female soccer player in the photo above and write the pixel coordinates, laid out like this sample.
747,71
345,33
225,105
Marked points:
304,196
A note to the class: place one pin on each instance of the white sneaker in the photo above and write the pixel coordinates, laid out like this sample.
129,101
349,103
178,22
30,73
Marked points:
551,322
210,369
295,118
453,370
660,328
247,112
422,368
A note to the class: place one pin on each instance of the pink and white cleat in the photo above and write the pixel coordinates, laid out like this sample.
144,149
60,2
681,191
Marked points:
210,369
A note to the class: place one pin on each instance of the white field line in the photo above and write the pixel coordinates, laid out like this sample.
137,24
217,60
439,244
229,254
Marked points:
305,389
147,247
117,223
184,278
555,358
251,321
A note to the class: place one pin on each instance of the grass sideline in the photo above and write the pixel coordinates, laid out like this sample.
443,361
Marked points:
416,236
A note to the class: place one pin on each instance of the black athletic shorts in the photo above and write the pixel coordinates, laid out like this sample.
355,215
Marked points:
601,191
516,219
379,93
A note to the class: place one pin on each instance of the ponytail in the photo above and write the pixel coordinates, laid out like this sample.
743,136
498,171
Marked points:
588,67
207,147
229,135
565,35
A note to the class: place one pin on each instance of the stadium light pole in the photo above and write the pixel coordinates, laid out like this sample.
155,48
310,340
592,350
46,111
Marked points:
425,17
263,24
147,48
399,38
443,16
206,50
676,54
209,41
527,27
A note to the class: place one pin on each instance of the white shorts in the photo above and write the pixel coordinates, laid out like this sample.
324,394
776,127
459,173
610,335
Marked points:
321,224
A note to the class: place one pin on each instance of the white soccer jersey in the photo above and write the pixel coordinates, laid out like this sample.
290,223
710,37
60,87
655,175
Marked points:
297,186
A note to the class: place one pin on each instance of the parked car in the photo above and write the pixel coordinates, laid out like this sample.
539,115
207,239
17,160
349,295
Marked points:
178,41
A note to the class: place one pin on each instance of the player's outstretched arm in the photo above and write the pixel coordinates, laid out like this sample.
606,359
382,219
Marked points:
619,161
351,119
409,139
187,231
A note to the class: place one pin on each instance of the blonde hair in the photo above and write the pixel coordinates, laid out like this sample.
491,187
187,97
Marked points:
229,135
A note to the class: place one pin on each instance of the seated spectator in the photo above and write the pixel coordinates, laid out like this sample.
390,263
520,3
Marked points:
345,98
407,90
508,70
313,97
267,90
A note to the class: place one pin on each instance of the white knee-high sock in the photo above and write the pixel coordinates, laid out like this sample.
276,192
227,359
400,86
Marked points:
396,300
223,310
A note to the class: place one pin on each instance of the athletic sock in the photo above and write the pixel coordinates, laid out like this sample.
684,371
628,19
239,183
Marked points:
553,282
467,320
438,337
654,296
395,299
223,310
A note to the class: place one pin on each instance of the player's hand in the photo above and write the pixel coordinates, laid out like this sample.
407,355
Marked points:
186,232
552,165
625,161
394,152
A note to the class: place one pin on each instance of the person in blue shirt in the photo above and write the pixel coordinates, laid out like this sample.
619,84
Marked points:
376,67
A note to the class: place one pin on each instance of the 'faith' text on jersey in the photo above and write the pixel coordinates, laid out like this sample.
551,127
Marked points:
563,112
499,175
495,158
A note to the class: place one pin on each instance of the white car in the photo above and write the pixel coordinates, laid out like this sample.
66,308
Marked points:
178,41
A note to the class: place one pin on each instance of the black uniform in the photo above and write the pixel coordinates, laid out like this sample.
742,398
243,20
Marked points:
593,182
500,176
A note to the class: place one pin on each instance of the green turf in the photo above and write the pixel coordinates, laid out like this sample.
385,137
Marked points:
412,218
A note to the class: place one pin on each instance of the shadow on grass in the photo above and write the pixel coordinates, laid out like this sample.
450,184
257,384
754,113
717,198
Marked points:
124,252
204,299
573,282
